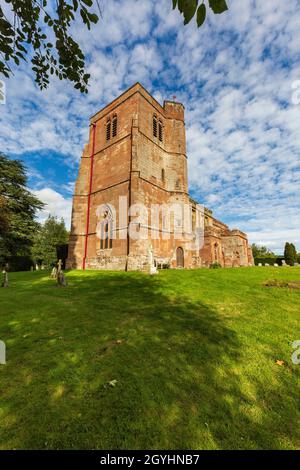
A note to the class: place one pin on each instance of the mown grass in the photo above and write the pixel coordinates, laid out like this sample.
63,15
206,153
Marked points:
193,353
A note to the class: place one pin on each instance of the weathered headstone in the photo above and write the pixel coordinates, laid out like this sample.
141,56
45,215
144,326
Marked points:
5,276
275,265
54,273
2,353
259,264
61,280
267,264
152,267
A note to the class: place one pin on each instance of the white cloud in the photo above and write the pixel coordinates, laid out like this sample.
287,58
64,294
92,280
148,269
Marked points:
56,205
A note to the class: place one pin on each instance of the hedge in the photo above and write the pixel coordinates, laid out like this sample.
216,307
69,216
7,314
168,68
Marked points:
270,261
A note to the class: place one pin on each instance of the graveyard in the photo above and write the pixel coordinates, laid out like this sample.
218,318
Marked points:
186,359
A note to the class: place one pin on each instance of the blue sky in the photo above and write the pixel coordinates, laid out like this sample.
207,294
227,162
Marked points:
234,76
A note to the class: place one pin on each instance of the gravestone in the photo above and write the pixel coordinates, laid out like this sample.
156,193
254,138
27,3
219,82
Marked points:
153,268
2,353
61,280
54,273
5,276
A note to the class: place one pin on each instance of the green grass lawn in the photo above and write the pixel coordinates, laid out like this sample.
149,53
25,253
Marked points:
193,353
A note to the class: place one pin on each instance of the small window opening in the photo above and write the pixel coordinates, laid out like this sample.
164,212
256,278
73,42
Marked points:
154,126
160,131
108,129
115,126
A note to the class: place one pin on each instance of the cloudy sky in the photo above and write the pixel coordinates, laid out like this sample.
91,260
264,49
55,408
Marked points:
235,76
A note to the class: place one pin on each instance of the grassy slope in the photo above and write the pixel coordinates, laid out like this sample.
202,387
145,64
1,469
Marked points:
195,368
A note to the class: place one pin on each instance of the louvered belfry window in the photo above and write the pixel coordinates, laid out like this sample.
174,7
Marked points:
108,129
115,126
160,131
154,126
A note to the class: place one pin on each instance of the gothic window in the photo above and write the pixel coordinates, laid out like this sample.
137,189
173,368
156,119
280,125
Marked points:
106,233
154,126
115,126
108,129
160,130
177,184
163,175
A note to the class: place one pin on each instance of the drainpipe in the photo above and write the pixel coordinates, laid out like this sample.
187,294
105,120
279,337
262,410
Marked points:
89,196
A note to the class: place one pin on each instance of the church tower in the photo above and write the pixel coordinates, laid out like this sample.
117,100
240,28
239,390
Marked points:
136,155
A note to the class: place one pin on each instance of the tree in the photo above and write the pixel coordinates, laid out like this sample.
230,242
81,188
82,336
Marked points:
290,254
261,251
34,25
17,210
39,28
50,235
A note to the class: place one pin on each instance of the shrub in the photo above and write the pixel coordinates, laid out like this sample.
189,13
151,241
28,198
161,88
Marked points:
270,261
20,263
215,265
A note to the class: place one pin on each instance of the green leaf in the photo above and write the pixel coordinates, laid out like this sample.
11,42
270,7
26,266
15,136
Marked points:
218,6
89,3
189,10
93,17
174,4
201,15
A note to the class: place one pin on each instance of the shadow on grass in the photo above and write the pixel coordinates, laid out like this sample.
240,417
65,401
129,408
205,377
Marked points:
173,360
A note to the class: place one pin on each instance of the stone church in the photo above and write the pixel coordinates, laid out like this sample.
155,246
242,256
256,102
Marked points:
136,157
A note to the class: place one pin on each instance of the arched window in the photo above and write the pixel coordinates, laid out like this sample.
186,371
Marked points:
154,125
106,233
160,130
108,129
115,125
163,175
